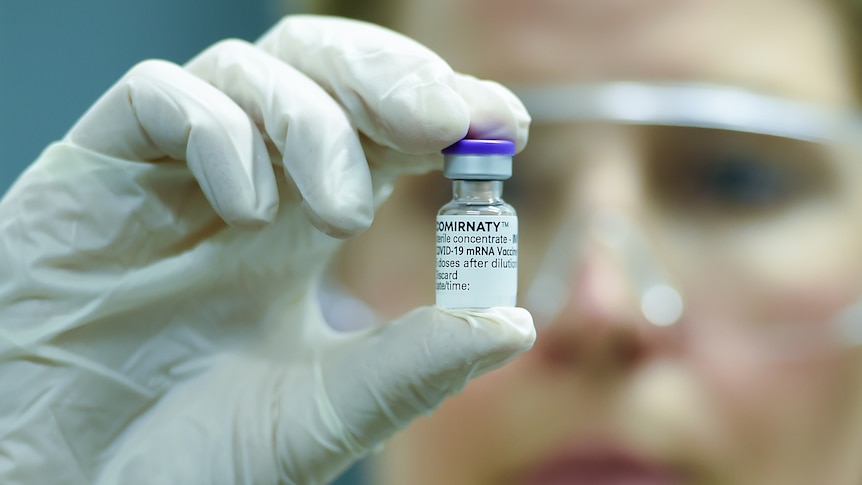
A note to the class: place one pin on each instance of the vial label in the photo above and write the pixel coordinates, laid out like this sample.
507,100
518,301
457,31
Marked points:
477,261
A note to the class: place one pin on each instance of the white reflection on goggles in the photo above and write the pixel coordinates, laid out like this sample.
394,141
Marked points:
691,105
661,303
666,104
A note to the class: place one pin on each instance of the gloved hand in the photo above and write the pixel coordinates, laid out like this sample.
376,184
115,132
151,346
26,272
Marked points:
158,318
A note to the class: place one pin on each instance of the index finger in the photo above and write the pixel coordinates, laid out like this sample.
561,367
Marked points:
398,92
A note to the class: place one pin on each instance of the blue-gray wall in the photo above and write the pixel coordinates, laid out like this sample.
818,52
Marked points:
58,56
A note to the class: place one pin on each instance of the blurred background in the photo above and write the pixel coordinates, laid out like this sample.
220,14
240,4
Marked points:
57,57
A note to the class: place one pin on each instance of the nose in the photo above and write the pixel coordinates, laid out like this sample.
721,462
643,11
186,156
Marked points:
599,323
602,293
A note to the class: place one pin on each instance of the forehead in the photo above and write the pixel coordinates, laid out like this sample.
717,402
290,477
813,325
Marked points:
787,47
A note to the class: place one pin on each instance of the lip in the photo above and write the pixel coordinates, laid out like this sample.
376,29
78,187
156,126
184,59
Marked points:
599,465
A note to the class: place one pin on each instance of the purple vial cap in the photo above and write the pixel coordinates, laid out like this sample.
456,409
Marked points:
481,147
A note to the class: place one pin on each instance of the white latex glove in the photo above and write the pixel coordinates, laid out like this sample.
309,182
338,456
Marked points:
158,317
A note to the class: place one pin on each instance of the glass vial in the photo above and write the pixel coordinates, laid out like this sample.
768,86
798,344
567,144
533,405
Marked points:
477,232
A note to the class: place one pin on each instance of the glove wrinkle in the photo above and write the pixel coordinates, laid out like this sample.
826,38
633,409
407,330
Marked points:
358,61
320,148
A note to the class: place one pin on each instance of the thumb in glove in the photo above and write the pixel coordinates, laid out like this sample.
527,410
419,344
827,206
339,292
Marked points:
274,415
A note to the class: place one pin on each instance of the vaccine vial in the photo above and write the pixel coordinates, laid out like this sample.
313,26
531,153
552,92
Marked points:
477,232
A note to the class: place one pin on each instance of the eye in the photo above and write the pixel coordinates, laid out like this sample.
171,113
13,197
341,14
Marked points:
741,181
705,172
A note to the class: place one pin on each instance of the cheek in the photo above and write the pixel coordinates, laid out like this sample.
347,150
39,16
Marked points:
759,336
762,307
786,417
762,397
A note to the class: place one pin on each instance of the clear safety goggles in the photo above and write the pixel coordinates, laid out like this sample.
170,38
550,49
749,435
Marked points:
735,217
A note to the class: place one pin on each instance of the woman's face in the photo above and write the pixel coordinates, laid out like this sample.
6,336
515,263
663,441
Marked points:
733,394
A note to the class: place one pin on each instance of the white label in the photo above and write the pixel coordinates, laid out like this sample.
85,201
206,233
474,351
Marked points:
477,261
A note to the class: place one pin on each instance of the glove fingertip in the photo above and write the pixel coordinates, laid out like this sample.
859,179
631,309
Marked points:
333,179
341,224
245,195
425,118
462,343
497,113
244,221
496,334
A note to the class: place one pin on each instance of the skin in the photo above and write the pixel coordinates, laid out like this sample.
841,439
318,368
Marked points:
716,407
